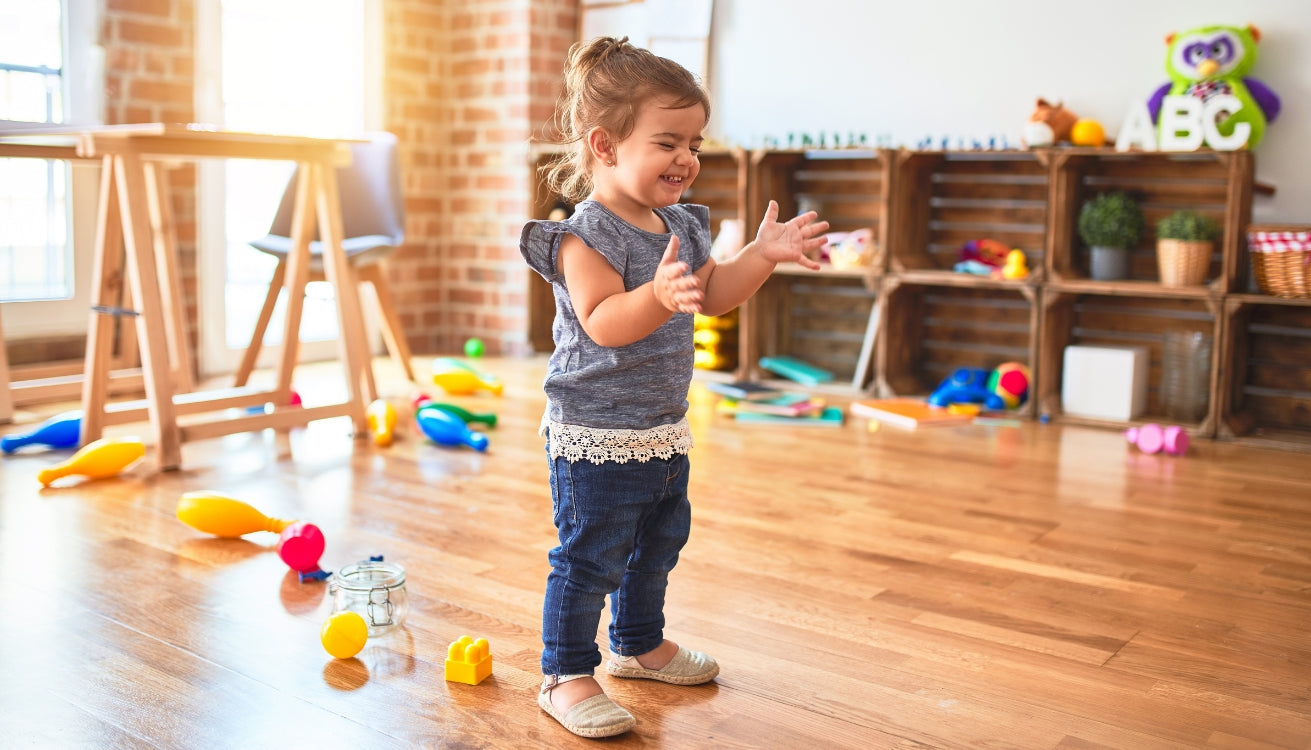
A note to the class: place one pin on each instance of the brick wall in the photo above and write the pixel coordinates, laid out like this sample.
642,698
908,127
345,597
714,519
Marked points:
150,77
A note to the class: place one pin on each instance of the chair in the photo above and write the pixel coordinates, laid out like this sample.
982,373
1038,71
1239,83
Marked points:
373,226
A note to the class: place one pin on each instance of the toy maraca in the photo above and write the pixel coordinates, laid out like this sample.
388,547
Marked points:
224,516
97,460
447,429
300,546
464,415
1153,438
382,421
60,431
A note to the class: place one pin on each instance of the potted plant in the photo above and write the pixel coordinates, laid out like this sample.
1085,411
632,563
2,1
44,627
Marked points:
1111,225
1185,241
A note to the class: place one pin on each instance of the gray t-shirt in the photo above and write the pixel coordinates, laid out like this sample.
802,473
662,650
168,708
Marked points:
640,386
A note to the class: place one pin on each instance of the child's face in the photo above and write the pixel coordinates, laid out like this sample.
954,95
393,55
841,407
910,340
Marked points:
657,161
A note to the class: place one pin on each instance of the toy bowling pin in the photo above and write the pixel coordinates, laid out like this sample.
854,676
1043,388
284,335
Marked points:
447,429
382,421
300,546
60,431
463,414
1153,438
458,379
224,516
102,458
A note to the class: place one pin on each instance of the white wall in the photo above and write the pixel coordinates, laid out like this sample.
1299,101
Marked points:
963,68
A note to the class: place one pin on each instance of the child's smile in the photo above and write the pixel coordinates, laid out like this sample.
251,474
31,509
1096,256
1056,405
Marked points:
653,165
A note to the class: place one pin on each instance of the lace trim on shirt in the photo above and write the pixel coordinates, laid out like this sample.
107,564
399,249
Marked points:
575,442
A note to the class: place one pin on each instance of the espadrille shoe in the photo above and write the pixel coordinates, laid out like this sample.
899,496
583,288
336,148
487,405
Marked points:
686,668
593,717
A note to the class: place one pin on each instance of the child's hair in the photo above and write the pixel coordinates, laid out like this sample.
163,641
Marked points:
606,80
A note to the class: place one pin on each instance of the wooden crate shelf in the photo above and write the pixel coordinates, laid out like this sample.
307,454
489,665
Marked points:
1217,184
1267,400
944,199
1124,320
821,319
929,330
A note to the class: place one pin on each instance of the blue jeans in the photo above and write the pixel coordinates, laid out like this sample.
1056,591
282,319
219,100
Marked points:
621,527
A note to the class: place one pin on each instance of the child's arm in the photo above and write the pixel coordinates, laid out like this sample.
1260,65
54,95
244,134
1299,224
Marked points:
612,316
732,282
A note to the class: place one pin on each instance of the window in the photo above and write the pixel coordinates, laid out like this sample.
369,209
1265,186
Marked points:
46,47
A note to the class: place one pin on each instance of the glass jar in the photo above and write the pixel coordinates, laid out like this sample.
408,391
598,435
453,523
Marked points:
374,590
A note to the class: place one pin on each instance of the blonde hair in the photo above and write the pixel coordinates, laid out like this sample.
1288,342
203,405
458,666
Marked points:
606,80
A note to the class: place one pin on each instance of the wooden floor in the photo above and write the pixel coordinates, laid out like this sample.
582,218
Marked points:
1039,587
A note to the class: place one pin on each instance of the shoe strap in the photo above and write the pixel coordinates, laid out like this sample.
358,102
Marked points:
555,680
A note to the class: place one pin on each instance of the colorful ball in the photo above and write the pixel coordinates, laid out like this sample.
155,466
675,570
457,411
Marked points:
1010,382
344,634
474,348
1087,133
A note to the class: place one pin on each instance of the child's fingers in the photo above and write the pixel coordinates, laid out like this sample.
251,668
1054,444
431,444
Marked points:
771,213
671,251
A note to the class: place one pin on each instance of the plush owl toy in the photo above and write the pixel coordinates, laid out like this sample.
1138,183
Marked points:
1216,60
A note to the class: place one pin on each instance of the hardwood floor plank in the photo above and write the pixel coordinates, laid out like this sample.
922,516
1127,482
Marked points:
1041,587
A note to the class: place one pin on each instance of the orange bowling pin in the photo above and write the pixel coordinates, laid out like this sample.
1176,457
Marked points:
224,516
96,460
382,421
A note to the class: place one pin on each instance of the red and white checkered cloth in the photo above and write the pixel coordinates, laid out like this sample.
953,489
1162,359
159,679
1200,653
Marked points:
1279,242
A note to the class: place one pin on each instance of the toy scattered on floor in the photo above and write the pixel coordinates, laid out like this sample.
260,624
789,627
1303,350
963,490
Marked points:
373,589
381,416
468,661
1212,61
474,348
714,341
794,369
97,460
344,634
60,431
1153,438
224,516
300,546
1003,388
445,428
464,415
458,379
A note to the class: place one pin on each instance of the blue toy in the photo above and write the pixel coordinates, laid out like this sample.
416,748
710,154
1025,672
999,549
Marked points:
1003,388
60,431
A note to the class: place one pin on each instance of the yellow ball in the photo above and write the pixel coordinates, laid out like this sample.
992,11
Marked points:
1087,133
344,634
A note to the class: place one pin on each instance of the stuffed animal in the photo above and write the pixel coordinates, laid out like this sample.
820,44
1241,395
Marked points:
1054,116
1215,60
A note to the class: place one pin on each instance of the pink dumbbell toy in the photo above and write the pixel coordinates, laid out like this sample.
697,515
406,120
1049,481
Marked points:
1153,438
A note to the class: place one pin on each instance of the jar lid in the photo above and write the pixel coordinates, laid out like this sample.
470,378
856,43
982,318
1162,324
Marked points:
369,574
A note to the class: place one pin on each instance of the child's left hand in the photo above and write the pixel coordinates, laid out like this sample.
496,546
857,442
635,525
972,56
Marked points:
791,240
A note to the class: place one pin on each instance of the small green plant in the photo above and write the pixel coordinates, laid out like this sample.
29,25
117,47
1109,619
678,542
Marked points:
1111,220
1189,226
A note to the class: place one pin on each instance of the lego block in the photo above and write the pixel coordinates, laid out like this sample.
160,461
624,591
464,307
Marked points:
1105,382
468,661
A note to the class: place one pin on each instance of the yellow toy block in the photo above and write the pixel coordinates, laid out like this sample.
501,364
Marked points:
468,661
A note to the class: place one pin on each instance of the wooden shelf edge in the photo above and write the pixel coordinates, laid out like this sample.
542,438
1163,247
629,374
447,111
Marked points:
1133,289
1268,299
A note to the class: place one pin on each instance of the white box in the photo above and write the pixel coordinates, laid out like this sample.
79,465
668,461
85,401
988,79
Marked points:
1105,382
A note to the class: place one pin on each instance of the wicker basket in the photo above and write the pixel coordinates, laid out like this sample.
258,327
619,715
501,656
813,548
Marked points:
1183,262
1281,259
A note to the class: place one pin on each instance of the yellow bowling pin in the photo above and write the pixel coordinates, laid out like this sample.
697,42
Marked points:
458,382
382,421
224,516
96,460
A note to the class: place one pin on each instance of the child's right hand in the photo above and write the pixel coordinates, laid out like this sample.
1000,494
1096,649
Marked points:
674,286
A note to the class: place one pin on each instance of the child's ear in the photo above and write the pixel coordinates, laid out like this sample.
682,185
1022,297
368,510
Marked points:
601,146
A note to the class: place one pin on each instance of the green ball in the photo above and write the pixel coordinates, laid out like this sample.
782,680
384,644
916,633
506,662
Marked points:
473,348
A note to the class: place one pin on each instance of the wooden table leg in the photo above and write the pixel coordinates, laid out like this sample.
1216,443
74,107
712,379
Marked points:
106,291
359,372
144,278
6,398
164,233
297,275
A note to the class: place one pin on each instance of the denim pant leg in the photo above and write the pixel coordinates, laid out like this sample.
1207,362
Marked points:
598,508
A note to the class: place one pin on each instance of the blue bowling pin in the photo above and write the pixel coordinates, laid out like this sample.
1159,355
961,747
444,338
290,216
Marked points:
60,431
447,429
